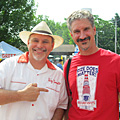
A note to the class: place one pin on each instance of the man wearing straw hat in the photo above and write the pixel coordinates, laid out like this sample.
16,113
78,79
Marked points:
31,87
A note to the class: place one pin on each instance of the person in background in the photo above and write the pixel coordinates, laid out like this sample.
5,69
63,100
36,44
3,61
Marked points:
31,87
59,64
0,60
94,74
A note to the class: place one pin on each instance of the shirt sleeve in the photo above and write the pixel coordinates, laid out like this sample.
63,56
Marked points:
118,74
63,99
6,71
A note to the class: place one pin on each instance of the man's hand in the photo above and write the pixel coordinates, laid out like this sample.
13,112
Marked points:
31,92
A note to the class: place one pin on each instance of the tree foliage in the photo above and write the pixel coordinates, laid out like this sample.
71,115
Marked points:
106,33
15,16
19,15
117,20
105,30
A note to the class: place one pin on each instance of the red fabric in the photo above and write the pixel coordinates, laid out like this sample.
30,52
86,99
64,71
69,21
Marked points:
24,59
107,85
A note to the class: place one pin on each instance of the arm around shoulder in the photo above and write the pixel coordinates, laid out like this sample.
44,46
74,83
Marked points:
69,105
58,114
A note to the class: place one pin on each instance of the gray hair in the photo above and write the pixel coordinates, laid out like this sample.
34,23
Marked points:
78,15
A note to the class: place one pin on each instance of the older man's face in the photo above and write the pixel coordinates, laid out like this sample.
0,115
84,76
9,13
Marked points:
39,46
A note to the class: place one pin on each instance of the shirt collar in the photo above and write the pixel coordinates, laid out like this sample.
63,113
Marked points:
24,59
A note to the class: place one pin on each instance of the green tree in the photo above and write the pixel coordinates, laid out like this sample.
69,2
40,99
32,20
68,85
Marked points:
117,20
15,16
66,34
104,33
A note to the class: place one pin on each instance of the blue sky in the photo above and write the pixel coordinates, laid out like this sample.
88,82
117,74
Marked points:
57,10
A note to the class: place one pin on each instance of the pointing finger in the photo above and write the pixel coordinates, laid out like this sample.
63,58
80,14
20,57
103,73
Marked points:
43,89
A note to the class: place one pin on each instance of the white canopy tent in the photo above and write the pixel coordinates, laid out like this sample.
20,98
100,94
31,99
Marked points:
7,50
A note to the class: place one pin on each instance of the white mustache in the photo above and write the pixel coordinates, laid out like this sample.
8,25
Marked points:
40,49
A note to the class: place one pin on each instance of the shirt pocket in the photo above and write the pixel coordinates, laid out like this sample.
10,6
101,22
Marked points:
17,84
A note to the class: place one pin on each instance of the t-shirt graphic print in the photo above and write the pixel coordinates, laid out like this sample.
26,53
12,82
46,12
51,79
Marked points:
86,86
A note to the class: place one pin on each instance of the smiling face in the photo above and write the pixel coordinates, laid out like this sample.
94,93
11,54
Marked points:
83,35
39,46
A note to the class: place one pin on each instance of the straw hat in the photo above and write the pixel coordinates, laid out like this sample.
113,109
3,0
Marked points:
41,28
